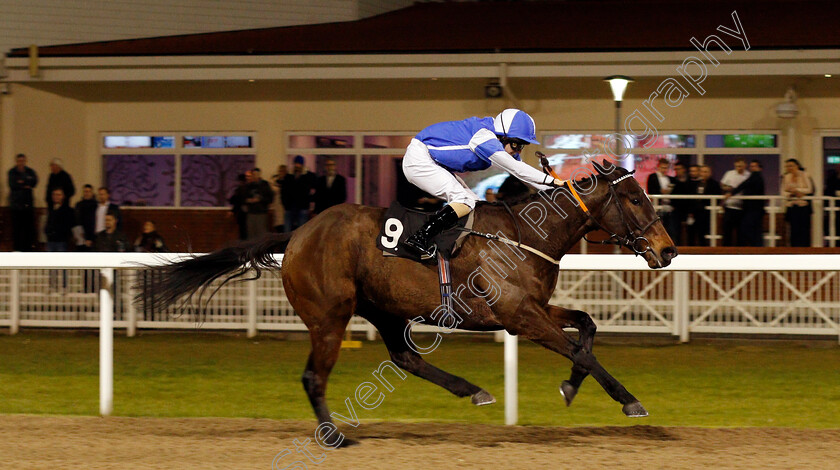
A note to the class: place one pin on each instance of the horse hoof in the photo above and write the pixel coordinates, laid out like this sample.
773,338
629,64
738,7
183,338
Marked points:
481,398
347,443
568,391
634,410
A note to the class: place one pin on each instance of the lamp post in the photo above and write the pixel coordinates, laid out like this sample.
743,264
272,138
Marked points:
618,84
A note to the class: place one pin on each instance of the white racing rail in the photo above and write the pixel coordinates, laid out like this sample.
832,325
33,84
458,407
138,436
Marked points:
775,294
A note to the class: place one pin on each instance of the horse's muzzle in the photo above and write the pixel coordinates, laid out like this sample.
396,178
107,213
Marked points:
667,254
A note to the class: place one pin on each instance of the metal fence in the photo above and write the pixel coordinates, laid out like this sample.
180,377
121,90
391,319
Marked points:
825,221
799,294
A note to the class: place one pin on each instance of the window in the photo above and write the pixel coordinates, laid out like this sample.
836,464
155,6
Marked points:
371,163
177,170
568,151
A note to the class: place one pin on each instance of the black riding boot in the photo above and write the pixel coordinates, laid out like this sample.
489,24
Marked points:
418,243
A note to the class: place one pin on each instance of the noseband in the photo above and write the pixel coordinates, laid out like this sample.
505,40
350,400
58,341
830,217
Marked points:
638,243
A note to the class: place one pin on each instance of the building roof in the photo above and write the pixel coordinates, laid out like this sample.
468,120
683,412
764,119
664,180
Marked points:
513,27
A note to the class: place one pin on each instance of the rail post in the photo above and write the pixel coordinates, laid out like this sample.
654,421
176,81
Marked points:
106,341
511,379
713,225
131,310
14,302
682,292
252,309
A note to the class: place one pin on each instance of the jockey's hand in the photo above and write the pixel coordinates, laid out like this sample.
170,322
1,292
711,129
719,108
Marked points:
557,183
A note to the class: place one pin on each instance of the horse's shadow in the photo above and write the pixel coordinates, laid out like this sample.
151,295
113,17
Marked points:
494,435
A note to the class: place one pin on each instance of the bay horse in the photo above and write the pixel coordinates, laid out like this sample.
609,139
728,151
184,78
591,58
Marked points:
332,270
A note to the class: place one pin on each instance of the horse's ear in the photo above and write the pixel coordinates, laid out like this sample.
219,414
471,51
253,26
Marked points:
598,167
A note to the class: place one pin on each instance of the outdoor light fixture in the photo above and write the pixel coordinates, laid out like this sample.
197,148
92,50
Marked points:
493,89
618,83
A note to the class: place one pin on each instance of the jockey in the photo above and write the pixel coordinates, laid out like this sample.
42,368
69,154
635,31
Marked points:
460,146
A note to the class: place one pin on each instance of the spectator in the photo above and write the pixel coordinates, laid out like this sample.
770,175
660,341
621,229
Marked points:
330,189
112,238
58,230
21,181
703,217
660,183
832,189
733,208
297,194
237,204
752,218
694,172
257,202
512,188
60,222
149,240
489,195
796,184
279,218
832,182
86,217
59,179
684,209
105,206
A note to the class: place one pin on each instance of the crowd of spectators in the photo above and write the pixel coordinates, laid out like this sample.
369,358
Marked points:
93,224
688,221
290,198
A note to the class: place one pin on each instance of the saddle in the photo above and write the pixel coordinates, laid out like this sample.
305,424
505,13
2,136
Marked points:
400,222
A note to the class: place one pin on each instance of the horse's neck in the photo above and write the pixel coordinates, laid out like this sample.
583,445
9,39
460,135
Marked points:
564,225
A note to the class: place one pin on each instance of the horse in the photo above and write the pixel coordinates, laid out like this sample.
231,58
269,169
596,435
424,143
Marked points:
332,270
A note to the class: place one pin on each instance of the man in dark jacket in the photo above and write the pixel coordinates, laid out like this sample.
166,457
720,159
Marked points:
112,238
237,204
753,217
683,208
59,179
659,182
706,185
21,181
330,189
259,197
86,216
60,222
297,194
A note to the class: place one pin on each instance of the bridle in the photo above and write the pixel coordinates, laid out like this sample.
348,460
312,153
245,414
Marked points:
638,243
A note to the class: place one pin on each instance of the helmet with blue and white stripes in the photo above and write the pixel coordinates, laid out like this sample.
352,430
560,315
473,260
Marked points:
516,124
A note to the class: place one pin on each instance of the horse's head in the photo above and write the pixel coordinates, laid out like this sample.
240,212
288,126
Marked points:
628,216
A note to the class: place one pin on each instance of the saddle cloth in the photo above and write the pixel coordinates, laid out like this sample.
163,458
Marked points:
400,222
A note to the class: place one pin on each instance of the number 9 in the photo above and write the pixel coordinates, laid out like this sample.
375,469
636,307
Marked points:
393,230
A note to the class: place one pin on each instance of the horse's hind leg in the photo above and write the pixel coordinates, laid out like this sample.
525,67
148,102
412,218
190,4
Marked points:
326,338
580,320
392,330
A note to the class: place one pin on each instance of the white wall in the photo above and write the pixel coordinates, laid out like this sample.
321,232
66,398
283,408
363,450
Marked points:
51,22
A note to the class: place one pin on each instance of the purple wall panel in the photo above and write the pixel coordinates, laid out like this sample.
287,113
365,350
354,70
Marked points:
209,180
141,179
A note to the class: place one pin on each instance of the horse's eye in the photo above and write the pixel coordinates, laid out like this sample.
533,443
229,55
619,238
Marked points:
636,201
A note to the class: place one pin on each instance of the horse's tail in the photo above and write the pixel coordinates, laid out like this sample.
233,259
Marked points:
168,283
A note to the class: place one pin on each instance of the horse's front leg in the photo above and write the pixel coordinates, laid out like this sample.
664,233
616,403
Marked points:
534,323
581,321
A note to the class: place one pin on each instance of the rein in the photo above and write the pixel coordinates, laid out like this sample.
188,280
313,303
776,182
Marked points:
638,243
630,240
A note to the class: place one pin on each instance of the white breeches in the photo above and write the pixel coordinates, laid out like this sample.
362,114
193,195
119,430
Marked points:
423,172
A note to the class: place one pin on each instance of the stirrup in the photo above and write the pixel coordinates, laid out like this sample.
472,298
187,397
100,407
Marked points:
429,253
